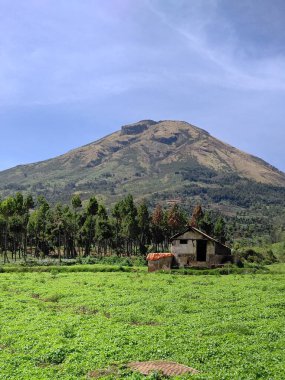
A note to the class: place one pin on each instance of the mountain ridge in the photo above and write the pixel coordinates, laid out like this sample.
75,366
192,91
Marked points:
156,156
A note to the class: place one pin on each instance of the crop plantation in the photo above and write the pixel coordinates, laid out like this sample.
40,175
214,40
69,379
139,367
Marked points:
90,325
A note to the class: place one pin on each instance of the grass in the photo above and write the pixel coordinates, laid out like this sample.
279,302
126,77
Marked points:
69,268
277,268
66,325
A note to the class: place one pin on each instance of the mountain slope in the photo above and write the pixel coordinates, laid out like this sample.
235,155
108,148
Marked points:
149,159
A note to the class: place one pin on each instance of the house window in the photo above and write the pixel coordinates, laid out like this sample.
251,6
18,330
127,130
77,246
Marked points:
183,241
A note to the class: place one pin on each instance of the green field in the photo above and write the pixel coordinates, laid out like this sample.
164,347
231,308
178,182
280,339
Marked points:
64,325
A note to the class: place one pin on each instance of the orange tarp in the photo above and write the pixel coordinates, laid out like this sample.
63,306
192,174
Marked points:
157,256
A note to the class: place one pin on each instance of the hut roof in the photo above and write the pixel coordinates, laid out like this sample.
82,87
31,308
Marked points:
189,228
158,256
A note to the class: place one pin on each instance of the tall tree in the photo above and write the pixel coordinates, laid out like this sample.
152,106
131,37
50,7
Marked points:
158,228
103,232
206,223
129,222
197,215
143,226
176,219
7,210
219,229
89,224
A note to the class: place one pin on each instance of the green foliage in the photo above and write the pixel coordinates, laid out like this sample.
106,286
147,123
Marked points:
227,327
220,229
76,201
92,207
206,223
252,256
73,232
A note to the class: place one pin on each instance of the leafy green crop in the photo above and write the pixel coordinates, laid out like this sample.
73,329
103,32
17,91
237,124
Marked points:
67,325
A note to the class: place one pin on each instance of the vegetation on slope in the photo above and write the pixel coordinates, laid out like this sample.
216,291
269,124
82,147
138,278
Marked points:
144,158
229,327
161,162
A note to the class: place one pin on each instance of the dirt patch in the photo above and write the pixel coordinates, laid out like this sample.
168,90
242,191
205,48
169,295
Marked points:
35,295
166,368
102,372
86,310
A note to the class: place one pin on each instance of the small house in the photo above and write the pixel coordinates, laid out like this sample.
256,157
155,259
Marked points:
159,261
194,248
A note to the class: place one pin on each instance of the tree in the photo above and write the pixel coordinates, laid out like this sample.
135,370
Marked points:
29,202
103,232
158,227
56,228
176,219
197,215
88,228
76,205
143,226
219,230
7,211
92,207
76,202
206,223
37,226
129,223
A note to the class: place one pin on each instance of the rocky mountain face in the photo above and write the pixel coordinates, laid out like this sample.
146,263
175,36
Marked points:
155,160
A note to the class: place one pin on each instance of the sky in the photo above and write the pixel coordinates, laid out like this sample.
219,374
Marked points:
72,71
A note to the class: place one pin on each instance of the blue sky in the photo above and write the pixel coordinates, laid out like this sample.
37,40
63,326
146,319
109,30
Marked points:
72,71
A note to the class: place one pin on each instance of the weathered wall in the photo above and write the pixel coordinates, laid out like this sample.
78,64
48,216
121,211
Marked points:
164,263
186,254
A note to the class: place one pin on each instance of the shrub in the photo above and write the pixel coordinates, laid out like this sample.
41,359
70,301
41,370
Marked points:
54,298
53,357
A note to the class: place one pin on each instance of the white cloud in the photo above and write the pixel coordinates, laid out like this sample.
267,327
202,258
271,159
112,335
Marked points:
227,66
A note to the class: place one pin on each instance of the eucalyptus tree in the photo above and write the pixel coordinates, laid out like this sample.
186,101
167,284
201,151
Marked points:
103,231
117,217
37,227
28,205
176,219
16,233
88,228
7,211
76,203
206,223
158,227
220,229
129,228
143,227
56,228
70,231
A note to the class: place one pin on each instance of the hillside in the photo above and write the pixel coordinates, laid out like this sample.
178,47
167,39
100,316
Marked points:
156,160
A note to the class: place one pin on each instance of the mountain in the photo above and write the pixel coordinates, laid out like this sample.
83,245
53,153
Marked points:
156,160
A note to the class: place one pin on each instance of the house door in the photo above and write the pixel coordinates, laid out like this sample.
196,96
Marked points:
201,250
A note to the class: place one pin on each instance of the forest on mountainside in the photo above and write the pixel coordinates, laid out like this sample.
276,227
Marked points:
35,228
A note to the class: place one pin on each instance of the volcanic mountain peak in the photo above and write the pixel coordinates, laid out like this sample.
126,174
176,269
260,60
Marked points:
141,158
135,128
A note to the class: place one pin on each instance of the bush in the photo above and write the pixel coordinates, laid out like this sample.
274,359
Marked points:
252,256
53,357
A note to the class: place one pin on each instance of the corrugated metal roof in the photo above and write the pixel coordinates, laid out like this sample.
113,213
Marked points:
158,256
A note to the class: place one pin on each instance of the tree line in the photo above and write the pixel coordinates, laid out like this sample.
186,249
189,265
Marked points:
36,228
